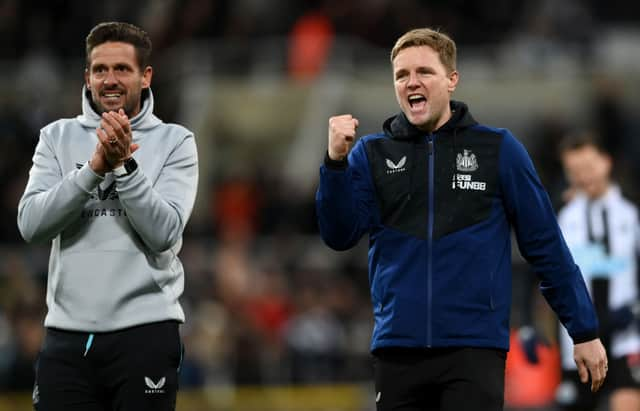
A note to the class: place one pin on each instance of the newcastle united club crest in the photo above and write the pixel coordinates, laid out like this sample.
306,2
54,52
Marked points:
466,162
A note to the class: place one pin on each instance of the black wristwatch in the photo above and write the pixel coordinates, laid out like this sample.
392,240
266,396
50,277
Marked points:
128,167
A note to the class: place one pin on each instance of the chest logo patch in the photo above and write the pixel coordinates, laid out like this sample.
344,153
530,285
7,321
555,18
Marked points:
466,162
396,168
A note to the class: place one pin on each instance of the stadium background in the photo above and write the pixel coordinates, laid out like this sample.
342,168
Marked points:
276,321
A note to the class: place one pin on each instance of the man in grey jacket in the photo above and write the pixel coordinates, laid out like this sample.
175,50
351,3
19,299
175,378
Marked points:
112,189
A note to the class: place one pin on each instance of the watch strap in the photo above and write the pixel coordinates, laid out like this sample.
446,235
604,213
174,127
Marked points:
127,167
120,171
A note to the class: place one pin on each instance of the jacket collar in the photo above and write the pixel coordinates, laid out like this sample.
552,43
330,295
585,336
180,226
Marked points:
399,127
145,119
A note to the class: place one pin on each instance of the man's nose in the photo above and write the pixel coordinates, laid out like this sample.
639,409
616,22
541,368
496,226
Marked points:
110,77
413,80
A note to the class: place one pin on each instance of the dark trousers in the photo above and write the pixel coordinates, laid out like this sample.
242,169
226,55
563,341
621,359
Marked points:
442,379
134,369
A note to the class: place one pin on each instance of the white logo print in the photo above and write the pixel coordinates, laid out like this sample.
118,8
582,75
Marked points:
396,168
378,396
465,182
154,388
466,162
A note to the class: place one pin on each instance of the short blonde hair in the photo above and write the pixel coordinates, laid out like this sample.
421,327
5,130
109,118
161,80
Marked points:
440,42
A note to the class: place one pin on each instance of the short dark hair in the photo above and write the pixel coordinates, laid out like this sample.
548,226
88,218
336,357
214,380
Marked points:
124,32
581,138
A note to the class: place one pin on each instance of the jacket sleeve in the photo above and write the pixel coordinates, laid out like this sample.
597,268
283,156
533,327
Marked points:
345,199
51,200
541,242
159,210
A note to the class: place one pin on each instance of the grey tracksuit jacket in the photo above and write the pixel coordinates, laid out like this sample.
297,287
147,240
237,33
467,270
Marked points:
114,240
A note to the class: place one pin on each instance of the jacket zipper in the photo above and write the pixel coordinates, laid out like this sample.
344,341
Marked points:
431,150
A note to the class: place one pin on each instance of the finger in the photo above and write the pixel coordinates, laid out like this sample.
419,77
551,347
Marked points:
602,375
102,136
583,373
353,130
113,120
134,147
336,121
109,148
122,119
595,387
122,122
108,129
596,383
598,374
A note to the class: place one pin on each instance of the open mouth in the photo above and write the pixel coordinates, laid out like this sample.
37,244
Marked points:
417,101
111,95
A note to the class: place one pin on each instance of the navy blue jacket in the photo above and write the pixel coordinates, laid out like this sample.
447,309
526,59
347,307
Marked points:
439,209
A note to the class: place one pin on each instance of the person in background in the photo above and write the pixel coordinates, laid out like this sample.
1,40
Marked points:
438,193
112,190
601,228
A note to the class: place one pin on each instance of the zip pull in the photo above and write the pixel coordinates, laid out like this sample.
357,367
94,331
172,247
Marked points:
429,144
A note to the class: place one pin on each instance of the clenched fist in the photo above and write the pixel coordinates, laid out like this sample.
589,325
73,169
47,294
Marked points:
342,132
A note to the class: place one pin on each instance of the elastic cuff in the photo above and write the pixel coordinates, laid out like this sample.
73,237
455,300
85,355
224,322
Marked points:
87,179
335,164
581,338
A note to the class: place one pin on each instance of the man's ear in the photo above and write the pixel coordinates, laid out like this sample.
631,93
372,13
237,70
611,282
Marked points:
453,81
87,83
147,74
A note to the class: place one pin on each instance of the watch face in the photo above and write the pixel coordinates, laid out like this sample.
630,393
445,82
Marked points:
130,165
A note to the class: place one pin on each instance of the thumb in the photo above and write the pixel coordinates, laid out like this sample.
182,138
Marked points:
134,147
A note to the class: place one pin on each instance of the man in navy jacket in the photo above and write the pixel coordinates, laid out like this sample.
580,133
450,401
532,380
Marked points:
438,195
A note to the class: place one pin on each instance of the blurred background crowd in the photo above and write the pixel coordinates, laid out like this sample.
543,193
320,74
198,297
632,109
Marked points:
267,303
